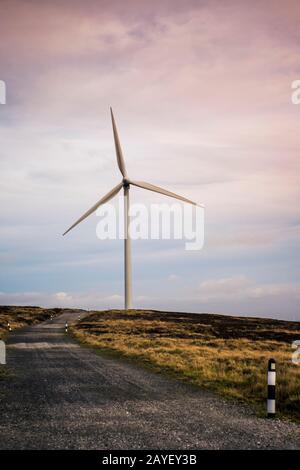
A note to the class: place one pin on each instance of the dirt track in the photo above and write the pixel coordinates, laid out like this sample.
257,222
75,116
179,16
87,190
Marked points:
64,396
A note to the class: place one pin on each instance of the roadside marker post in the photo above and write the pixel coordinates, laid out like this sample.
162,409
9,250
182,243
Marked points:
271,405
66,327
8,326
2,352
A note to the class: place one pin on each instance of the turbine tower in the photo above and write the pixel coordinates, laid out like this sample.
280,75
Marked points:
125,184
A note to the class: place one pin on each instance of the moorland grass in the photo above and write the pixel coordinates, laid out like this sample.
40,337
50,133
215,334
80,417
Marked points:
225,354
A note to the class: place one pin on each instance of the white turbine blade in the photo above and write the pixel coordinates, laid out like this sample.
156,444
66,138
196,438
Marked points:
103,200
120,158
157,189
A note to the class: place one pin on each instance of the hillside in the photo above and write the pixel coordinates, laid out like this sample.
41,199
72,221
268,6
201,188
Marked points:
223,353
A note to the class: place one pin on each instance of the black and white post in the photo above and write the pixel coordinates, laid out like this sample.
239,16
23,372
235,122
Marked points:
271,408
66,327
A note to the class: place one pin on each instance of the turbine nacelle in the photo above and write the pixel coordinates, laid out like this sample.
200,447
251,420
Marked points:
126,182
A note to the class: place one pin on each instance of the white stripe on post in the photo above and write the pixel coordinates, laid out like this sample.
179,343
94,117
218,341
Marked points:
271,404
271,408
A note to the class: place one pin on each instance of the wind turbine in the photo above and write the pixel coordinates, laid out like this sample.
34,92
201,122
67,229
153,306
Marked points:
125,184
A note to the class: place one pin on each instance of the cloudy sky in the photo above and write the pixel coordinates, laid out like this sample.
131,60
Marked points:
201,91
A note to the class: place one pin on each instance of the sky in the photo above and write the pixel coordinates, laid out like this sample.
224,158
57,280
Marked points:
201,92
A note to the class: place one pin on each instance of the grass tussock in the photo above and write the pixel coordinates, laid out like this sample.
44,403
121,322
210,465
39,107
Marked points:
226,354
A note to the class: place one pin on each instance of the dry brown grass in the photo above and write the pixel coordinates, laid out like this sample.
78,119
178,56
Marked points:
226,354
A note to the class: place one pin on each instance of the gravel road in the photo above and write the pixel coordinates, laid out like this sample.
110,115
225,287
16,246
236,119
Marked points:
64,396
